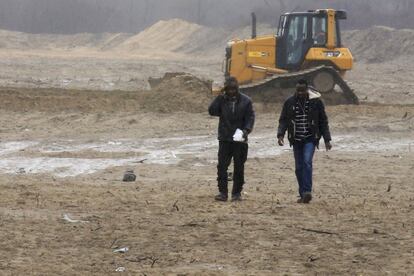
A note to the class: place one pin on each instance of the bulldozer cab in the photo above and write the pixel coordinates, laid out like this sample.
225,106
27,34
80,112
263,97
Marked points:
300,31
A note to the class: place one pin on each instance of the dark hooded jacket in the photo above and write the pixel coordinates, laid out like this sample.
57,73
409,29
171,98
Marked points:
233,115
317,119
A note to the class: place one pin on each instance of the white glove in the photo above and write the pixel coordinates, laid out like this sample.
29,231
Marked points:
238,136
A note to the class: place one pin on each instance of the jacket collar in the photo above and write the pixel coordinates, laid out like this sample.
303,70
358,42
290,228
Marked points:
237,96
313,94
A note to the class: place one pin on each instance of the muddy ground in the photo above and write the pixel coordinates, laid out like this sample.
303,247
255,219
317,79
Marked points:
65,153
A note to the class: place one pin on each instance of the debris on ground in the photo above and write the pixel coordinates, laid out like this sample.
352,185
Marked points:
69,219
120,269
129,176
121,250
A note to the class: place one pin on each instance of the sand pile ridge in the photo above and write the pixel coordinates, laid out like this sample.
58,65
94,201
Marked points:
178,92
380,44
164,35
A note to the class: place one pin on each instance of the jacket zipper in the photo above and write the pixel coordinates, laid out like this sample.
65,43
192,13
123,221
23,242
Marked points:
294,124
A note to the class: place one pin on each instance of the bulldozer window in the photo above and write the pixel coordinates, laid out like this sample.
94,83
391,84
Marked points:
282,26
319,26
338,34
297,36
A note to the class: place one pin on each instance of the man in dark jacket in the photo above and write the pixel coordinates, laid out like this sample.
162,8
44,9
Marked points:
236,114
303,116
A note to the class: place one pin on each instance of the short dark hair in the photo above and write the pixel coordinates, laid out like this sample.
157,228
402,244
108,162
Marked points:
303,82
231,82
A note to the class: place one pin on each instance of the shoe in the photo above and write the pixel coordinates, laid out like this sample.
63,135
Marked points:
236,197
221,197
307,197
300,200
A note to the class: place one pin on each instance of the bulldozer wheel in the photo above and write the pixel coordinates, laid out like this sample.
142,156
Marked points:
323,82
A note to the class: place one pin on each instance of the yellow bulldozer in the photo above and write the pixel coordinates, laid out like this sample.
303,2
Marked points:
307,45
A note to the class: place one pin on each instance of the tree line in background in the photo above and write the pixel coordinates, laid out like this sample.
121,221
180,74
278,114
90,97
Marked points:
96,16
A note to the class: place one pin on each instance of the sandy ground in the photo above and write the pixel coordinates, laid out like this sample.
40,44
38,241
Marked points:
87,69
386,83
381,74
74,118
69,158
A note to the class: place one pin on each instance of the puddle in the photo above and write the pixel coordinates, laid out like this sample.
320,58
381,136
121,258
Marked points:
158,151
60,167
350,143
13,147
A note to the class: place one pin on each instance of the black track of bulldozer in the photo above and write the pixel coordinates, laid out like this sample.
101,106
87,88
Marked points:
276,87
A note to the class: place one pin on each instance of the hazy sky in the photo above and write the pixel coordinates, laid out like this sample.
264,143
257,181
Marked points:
74,16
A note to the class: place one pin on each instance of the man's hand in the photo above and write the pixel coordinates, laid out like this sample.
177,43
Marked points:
245,133
280,141
328,146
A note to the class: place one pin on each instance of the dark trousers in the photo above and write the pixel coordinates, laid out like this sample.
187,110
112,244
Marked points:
227,151
303,162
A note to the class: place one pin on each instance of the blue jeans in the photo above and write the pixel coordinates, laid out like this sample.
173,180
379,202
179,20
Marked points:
303,162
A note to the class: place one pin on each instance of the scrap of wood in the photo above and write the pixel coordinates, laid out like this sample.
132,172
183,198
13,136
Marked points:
141,259
113,242
140,161
176,206
389,188
192,224
319,231
153,262
96,229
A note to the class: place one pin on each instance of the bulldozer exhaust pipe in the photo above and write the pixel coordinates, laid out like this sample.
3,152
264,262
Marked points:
254,23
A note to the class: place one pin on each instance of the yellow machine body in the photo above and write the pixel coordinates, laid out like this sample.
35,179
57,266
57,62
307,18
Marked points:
254,59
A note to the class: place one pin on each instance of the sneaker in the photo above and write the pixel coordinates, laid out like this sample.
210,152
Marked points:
236,197
221,197
300,200
307,197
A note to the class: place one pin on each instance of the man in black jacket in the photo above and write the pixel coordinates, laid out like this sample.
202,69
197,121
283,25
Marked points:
236,114
303,116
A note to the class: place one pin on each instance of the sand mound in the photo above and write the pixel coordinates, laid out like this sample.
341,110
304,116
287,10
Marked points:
165,35
178,92
379,44
177,35
58,100
213,41
376,44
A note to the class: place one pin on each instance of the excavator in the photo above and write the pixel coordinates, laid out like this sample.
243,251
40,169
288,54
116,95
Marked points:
307,45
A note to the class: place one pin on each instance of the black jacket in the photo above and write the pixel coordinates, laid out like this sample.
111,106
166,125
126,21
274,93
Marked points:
238,116
318,121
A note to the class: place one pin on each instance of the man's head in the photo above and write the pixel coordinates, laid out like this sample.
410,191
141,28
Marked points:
231,86
302,88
